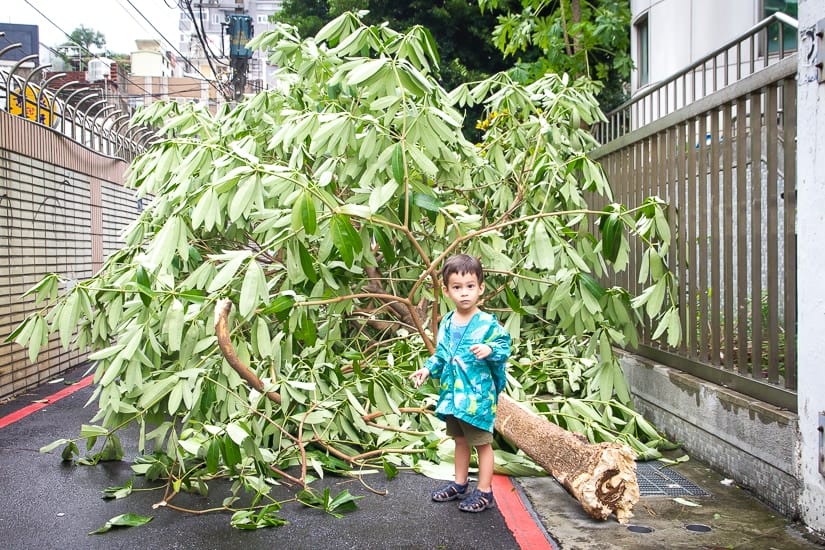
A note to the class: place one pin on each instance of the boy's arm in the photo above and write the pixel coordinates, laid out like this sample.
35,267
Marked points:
499,342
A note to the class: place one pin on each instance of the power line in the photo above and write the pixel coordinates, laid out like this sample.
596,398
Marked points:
215,85
55,25
128,80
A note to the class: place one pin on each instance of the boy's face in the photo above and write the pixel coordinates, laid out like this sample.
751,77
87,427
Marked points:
464,290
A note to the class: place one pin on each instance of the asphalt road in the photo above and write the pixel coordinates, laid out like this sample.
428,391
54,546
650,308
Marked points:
46,504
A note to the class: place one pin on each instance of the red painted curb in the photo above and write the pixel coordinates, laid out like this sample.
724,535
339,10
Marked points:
521,523
34,407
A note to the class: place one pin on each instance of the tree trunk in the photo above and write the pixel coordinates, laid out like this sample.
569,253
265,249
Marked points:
602,477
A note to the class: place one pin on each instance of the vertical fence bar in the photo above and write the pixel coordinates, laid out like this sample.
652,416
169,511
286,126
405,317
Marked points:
702,237
681,263
741,236
715,297
772,203
728,239
691,237
756,234
789,195
668,168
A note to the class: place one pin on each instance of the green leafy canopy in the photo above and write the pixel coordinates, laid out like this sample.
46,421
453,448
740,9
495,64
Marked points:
323,210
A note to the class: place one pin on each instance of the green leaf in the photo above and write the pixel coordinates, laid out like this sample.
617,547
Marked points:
236,433
427,202
308,215
390,470
53,445
213,456
118,492
228,271
144,285
174,325
384,244
123,520
258,519
364,71
398,163
611,228
89,430
253,289
345,238
381,195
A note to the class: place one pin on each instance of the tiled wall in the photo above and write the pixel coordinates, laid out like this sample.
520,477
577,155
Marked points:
62,208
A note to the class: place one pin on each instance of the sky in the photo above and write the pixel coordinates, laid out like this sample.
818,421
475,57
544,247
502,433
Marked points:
118,20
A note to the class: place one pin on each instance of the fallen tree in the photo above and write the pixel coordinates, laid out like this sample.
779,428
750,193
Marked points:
322,212
602,477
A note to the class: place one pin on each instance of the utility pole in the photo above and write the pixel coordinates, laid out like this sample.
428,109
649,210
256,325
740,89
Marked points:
240,29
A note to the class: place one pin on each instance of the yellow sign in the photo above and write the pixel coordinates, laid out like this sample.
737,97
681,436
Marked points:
31,111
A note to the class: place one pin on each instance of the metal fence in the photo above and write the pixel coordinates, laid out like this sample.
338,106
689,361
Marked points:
88,114
739,58
725,162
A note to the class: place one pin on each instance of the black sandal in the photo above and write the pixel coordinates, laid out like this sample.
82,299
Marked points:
451,491
478,501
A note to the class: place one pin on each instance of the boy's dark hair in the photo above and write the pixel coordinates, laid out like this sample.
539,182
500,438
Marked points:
461,264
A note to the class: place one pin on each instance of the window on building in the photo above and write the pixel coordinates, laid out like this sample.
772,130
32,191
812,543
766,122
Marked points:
788,34
642,51
263,19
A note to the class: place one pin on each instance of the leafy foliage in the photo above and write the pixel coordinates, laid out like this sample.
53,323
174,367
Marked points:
323,211
460,29
580,37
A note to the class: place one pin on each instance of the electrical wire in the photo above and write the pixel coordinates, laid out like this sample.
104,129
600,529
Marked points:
92,54
146,93
200,31
217,85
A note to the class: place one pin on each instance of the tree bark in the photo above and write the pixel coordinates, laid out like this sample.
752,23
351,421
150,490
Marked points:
602,476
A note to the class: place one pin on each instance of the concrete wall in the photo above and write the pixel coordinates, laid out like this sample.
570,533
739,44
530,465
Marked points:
749,441
811,296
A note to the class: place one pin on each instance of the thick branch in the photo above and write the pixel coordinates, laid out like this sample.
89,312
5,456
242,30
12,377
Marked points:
225,343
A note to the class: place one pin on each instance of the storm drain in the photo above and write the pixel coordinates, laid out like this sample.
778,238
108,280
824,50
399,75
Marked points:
655,479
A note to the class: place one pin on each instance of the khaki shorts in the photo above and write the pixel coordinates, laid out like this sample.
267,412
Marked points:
475,436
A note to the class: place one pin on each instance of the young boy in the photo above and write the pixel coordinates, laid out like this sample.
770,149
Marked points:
470,360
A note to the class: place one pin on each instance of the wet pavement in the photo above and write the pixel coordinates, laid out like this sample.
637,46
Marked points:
46,504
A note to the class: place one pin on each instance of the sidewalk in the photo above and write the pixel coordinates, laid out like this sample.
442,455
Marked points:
45,504
727,518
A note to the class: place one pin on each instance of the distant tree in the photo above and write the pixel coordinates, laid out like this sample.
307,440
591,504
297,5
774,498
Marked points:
580,37
85,38
462,32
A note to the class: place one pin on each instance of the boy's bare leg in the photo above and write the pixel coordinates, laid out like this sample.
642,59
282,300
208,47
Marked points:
486,464
462,460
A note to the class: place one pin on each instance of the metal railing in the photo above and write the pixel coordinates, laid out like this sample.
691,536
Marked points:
717,70
726,164
81,112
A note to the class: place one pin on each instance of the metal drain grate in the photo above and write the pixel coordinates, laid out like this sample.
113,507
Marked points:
656,479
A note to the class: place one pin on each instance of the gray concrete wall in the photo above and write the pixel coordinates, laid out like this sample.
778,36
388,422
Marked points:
810,295
749,441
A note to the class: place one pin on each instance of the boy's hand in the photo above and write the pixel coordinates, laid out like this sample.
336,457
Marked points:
481,350
420,376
